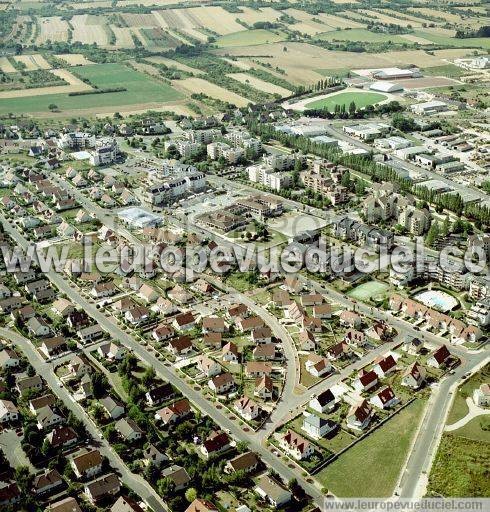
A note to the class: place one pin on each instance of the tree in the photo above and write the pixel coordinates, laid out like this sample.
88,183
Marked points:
149,376
52,107
352,108
190,494
432,234
165,487
446,226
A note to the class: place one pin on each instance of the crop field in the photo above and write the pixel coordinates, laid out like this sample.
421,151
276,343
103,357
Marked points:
89,29
6,66
32,62
214,19
140,20
361,99
74,59
140,89
124,37
385,18
52,29
74,85
259,84
360,34
157,59
473,42
249,38
301,60
251,16
197,85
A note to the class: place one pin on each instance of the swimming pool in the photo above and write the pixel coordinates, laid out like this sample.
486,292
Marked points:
437,299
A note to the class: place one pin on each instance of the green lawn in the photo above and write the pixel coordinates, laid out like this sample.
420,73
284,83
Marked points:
459,408
477,429
385,450
461,468
449,70
360,34
249,38
361,99
140,89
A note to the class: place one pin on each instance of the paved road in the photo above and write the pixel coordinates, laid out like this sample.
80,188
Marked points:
134,482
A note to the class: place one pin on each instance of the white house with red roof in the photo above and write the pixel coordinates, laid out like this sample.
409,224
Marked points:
384,399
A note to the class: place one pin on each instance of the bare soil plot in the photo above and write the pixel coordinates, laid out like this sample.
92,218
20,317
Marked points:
6,66
174,64
74,59
251,16
75,85
259,84
89,29
33,62
239,64
196,34
122,3
52,29
199,85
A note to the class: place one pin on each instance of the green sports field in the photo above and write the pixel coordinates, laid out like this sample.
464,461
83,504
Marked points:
140,89
249,38
361,99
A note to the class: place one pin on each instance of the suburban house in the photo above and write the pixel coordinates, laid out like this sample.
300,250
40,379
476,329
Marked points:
178,475
200,505
384,399
439,357
229,353
365,380
47,482
360,416
261,335
246,408
208,366
272,492
384,366
246,462
62,437
414,376
249,323
317,427
318,366
184,321
307,340
180,346
213,324
350,319
128,430
217,442
114,408
256,369
159,394
264,388
174,412
8,412
324,402
103,487
87,464
481,395
222,383
162,332
296,446
111,351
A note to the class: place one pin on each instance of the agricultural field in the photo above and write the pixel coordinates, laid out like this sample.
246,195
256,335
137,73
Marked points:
259,84
139,89
359,34
249,38
32,62
52,29
74,59
198,85
90,29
